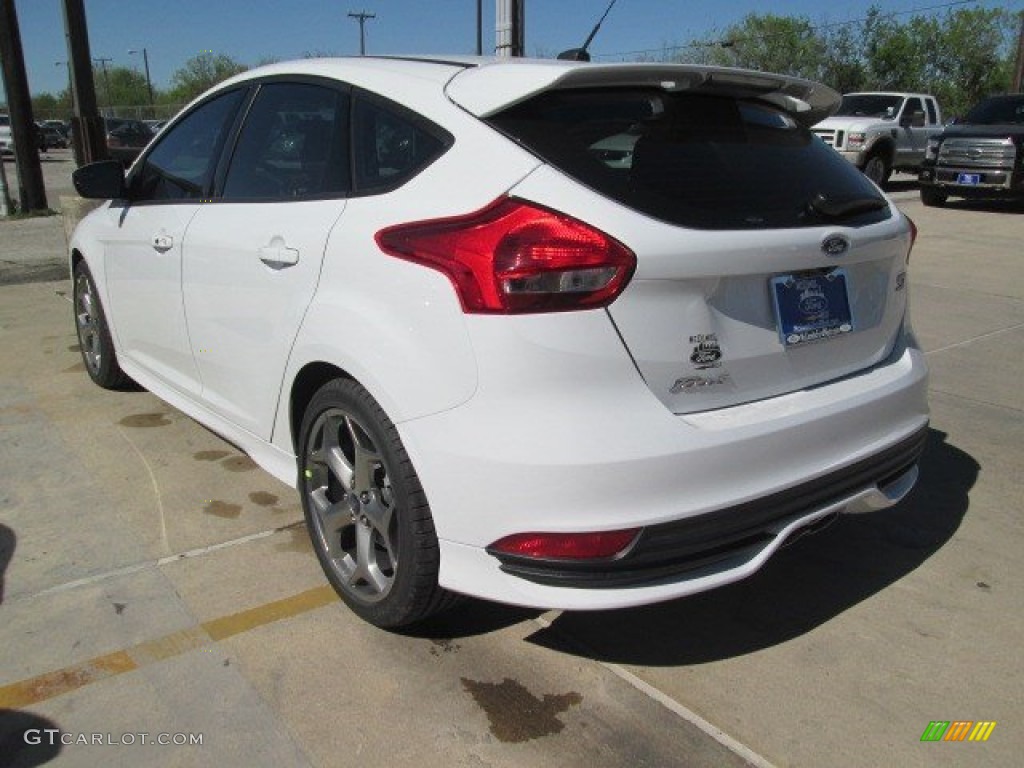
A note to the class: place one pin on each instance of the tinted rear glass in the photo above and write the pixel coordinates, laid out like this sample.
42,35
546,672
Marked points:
696,160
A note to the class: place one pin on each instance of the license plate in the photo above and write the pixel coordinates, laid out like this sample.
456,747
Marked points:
811,307
968,179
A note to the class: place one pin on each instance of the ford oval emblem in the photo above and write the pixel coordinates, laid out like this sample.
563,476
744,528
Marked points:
835,245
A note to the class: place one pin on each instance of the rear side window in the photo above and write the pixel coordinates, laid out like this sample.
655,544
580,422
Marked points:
391,144
696,160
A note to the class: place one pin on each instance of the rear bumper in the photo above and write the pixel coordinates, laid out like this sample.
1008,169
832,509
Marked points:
611,456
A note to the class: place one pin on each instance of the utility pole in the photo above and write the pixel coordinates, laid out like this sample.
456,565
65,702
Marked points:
31,190
106,78
90,137
361,17
71,90
145,60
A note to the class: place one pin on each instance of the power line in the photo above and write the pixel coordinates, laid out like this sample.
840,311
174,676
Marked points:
729,43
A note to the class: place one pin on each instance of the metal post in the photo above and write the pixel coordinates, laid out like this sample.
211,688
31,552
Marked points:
361,17
479,28
1018,70
71,90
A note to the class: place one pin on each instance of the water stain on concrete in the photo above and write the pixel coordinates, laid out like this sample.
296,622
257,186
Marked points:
119,608
75,348
515,714
145,420
223,509
298,541
239,464
76,368
263,499
209,455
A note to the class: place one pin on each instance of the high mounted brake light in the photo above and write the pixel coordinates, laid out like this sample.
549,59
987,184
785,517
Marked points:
515,257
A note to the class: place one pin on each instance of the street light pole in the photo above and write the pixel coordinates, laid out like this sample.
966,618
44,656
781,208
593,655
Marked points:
361,17
145,61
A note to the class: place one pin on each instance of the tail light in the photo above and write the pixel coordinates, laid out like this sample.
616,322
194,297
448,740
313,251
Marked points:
913,236
516,257
565,546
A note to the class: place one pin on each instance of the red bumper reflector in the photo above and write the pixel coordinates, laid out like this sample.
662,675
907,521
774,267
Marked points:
566,546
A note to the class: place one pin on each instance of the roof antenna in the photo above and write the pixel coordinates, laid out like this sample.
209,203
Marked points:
580,54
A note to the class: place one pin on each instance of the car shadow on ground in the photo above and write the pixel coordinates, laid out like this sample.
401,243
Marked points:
805,585
27,739
8,541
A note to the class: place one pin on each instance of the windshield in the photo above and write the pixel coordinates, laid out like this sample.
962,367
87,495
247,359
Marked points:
998,111
870,105
696,160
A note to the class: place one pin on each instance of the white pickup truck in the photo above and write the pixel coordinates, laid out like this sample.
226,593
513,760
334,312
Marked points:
6,142
882,132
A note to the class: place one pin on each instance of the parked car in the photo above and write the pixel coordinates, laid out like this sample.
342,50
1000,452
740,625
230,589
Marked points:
126,138
497,356
51,138
6,140
882,132
980,156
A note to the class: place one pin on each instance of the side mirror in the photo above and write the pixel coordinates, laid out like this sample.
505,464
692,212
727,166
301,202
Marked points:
103,180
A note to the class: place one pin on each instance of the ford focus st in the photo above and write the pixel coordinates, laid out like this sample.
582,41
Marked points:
555,334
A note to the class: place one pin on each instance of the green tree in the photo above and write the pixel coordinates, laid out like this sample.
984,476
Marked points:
973,57
201,73
784,44
127,87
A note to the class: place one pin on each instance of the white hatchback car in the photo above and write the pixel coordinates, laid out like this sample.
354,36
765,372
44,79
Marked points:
555,334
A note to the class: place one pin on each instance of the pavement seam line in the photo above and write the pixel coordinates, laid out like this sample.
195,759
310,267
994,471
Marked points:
135,568
48,685
680,710
967,342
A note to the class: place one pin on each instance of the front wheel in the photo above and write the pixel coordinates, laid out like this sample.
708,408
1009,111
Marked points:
365,509
94,334
932,197
877,169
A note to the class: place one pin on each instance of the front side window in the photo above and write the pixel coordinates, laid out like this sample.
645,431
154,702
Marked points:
912,106
390,145
293,145
696,160
181,166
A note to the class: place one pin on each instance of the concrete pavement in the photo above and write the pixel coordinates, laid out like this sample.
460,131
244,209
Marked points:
156,582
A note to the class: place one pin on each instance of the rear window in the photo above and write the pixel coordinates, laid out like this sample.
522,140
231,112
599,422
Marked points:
696,160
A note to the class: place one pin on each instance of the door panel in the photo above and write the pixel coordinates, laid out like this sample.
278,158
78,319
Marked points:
244,306
144,285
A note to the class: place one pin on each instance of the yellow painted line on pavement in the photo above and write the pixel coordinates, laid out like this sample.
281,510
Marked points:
58,682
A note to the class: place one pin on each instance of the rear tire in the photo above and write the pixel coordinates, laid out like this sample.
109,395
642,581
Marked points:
932,197
94,339
365,509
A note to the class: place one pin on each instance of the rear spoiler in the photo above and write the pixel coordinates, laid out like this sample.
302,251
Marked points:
498,84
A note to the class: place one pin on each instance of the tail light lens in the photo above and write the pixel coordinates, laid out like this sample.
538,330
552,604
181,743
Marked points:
516,257
565,546
913,237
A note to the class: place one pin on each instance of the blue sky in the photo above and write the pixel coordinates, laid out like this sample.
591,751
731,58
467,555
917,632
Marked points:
247,30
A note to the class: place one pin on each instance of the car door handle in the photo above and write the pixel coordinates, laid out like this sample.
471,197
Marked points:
163,242
279,256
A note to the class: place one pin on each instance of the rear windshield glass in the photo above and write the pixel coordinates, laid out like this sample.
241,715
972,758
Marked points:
1005,111
696,160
